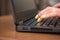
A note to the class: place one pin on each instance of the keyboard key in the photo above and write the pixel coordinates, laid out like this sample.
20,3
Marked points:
48,21
38,24
53,23
43,21
58,23
29,21
33,23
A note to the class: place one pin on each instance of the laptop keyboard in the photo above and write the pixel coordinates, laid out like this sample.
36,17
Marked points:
50,22
58,23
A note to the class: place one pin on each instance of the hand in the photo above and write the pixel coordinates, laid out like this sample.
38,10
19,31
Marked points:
48,12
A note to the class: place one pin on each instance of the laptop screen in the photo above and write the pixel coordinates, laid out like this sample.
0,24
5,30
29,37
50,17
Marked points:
23,9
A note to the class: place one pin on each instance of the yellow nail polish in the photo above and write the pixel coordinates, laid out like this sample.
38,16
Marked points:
36,16
43,16
39,20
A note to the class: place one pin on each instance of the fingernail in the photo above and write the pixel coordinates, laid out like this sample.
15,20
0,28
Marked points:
43,16
36,17
39,20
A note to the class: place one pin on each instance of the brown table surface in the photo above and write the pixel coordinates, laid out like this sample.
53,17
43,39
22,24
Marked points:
8,32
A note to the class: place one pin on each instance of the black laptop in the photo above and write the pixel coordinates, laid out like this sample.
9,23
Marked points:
24,12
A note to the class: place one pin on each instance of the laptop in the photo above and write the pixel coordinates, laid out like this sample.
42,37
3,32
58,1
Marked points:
24,12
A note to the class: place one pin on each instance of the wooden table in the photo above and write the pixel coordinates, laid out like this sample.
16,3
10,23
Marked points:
8,32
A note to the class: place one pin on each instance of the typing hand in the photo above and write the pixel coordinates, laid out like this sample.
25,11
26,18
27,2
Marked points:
48,12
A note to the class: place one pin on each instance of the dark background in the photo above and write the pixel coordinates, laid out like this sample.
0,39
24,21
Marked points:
4,7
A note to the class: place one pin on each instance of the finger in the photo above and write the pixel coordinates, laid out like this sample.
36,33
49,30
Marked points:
48,15
57,5
45,13
42,12
39,19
